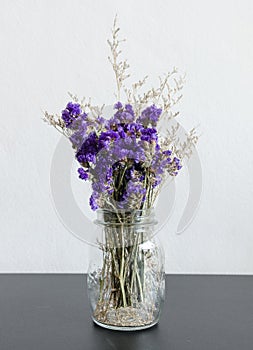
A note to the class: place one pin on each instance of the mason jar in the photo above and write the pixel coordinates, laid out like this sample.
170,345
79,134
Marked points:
126,277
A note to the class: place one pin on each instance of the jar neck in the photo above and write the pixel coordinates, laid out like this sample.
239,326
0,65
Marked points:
106,217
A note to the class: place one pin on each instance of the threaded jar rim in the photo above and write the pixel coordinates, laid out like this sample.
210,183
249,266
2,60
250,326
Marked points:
107,217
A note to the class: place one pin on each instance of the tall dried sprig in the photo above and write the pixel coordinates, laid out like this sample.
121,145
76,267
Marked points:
133,92
186,147
166,95
119,67
171,91
56,122
182,145
87,106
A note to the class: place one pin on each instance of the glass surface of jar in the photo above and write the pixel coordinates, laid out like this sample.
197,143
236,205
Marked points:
126,278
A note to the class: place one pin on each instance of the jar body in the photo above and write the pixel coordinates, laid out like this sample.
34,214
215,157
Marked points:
126,279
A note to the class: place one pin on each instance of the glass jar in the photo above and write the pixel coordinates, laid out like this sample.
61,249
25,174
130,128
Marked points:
126,278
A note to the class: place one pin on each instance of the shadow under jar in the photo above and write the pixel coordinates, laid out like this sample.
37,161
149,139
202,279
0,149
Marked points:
126,278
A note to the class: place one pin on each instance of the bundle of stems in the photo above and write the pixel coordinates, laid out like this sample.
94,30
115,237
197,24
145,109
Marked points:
122,276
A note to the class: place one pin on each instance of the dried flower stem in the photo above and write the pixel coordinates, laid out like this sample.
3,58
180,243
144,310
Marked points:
119,67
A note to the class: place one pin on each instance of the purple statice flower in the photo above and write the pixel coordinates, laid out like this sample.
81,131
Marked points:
74,108
118,105
123,115
83,174
150,116
103,173
106,138
101,166
98,186
167,155
133,129
70,113
89,149
79,135
177,163
101,121
127,148
157,181
129,109
78,121
149,135
77,138
157,147
122,133
93,201
66,117
158,166
135,188
167,152
174,166
135,191
109,174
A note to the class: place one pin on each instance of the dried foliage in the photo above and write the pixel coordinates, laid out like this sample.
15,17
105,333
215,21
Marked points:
166,95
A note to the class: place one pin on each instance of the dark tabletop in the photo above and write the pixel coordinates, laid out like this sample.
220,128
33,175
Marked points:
51,312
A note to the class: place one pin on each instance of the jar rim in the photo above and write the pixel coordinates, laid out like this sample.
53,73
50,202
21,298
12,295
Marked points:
107,217
146,211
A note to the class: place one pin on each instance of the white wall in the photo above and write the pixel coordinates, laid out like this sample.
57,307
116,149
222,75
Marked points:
51,47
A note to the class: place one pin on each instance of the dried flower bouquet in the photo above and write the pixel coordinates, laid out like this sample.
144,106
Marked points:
127,160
